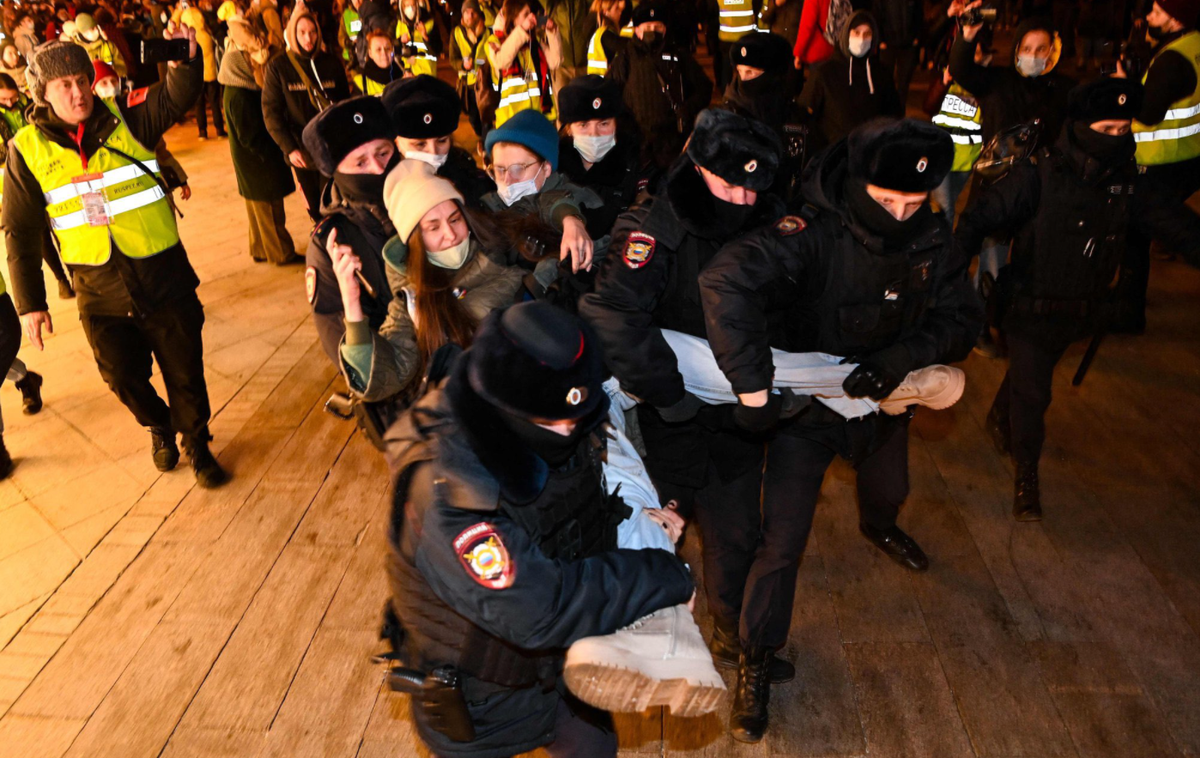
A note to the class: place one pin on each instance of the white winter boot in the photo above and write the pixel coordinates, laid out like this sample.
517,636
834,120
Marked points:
935,387
660,659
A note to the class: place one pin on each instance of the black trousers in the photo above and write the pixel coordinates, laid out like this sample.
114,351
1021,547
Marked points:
171,335
210,93
581,731
311,184
1025,394
10,334
900,63
1167,186
752,547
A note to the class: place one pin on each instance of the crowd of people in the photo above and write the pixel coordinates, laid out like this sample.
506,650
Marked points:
636,294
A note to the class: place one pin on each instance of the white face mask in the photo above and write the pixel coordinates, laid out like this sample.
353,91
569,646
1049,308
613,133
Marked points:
433,159
1031,65
593,149
410,12
860,47
514,192
451,257
105,92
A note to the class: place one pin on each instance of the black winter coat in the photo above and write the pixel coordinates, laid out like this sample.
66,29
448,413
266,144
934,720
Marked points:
287,107
844,292
262,170
617,178
467,177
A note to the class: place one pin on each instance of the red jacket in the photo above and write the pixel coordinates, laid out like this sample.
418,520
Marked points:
811,45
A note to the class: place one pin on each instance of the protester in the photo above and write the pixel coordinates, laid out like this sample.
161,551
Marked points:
98,46
607,40
466,58
210,94
381,68
12,63
521,58
417,40
811,45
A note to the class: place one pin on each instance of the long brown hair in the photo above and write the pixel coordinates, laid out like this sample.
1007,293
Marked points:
441,317
511,8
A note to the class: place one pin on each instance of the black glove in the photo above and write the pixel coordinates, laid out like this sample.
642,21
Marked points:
779,406
684,410
870,381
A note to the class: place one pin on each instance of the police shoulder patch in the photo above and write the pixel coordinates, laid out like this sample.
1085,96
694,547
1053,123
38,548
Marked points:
482,553
639,249
789,225
137,96
310,284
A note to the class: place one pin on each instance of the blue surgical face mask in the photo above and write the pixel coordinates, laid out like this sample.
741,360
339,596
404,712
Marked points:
1031,65
511,193
593,149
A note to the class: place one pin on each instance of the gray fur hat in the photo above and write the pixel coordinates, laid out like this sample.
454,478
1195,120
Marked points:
54,59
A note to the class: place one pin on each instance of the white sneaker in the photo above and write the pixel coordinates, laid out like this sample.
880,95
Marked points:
935,387
660,659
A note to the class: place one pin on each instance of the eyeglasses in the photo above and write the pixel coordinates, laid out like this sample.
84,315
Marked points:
513,173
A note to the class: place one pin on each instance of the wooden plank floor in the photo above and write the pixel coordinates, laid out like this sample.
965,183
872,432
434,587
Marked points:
140,616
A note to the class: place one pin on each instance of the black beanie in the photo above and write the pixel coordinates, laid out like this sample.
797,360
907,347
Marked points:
740,150
588,97
538,362
770,52
1105,99
342,127
904,155
422,107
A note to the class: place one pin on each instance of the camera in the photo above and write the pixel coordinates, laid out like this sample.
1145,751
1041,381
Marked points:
983,14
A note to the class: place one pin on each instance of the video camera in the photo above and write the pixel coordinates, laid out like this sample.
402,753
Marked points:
983,14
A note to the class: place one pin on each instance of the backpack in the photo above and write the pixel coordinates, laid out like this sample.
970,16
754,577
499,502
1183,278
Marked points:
836,19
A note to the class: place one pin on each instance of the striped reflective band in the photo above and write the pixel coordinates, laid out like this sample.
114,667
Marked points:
423,51
736,13
598,65
746,28
107,179
958,123
964,139
1166,134
1178,113
113,208
355,27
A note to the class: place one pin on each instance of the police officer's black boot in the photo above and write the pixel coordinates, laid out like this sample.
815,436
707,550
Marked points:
209,473
6,461
31,393
999,430
748,720
726,650
1027,496
896,545
163,448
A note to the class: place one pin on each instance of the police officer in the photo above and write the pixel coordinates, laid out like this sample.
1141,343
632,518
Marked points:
867,272
503,541
715,192
88,170
353,142
1070,206
425,111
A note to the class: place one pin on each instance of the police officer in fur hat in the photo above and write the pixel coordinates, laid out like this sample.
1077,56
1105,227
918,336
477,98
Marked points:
865,271
425,113
715,192
1070,208
503,542
352,142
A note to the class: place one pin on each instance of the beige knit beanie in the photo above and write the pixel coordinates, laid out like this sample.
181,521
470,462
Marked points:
410,191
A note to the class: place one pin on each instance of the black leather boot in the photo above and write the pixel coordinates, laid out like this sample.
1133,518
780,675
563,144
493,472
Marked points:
31,393
163,448
999,430
748,720
1027,496
6,461
208,472
726,649
897,545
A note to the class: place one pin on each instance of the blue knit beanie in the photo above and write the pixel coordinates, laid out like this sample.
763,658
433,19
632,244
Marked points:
529,129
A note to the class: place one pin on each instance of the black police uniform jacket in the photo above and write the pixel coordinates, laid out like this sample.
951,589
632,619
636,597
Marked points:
1069,214
649,281
466,176
365,227
849,295
482,579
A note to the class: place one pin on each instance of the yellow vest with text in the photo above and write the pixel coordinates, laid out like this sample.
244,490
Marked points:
467,50
1177,137
519,90
961,116
352,25
140,220
423,62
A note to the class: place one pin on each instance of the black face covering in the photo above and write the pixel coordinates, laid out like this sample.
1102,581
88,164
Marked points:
653,40
365,188
867,211
1156,32
731,217
1106,148
553,448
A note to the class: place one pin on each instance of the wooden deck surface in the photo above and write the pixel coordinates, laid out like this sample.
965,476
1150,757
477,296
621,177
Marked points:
141,616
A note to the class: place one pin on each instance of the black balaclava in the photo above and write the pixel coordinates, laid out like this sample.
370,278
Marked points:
1106,148
553,448
365,188
873,217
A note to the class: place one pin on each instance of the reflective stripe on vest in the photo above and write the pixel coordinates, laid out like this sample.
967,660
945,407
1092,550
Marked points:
466,51
140,220
736,18
597,60
963,120
1177,137
520,90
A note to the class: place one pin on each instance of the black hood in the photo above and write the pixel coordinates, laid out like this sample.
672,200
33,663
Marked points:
695,207
371,217
1088,168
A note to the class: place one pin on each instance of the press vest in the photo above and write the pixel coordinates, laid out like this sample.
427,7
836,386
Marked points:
597,60
424,62
468,51
1177,137
962,117
519,85
353,25
139,219
736,18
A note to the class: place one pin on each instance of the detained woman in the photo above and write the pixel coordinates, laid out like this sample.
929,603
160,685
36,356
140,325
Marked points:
444,277
351,142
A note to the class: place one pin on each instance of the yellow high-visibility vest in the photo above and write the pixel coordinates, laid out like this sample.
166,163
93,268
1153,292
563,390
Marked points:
519,90
423,62
473,52
140,220
1177,137
597,59
961,116
736,18
369,86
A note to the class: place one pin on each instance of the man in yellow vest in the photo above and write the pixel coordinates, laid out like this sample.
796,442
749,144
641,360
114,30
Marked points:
88,170
1167,132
